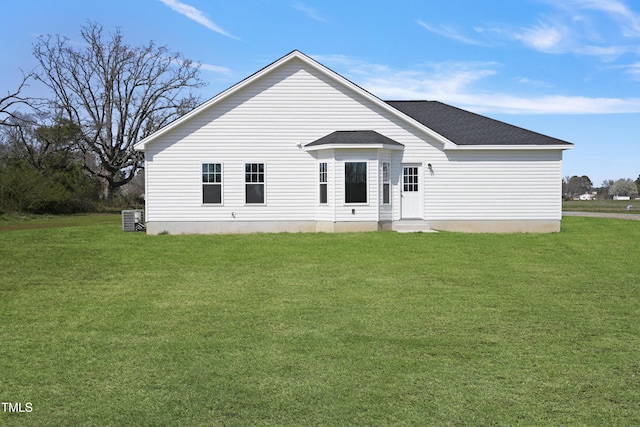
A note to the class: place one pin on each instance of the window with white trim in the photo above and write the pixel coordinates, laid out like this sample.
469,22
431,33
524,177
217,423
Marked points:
323,183
355,182
386,183
212,183
254,183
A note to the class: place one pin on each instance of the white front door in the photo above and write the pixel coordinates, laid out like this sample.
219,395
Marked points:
411,191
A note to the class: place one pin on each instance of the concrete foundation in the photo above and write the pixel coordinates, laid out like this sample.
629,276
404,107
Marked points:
501,226
240,227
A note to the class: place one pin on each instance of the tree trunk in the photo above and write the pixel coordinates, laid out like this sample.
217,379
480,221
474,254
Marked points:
107,193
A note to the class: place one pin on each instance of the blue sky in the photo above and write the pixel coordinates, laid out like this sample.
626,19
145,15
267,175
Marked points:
566,68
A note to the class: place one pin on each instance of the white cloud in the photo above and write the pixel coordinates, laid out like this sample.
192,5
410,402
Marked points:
628,19
604,52
534,83
605,29
196,15
215,68
548,104
457,83
632,70
448,32
545,37
309,11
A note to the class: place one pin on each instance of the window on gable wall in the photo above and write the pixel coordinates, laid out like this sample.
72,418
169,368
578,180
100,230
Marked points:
212,183
254,183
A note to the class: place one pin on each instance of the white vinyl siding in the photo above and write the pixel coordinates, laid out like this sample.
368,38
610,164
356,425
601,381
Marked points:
295,104
500,185
268,119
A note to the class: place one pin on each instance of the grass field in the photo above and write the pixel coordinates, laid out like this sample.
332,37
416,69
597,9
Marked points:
101,327
610,206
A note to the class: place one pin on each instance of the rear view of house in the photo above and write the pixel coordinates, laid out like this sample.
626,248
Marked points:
296,147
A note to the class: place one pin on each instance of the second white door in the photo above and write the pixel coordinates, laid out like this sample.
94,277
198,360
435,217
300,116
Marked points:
411,191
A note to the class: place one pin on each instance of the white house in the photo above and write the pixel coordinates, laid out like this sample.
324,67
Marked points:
297,147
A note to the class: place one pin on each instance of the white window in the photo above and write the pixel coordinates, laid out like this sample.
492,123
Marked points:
355,182
323,183
212,183
254,183
386,183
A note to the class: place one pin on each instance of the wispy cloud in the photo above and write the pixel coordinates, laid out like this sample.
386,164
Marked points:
215,69
197,16
602,28
448,32
606,29
633,70
628,19
545,37
309,11
463,84
539,84
549,104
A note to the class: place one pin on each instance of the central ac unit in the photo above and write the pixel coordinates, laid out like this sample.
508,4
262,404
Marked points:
133,220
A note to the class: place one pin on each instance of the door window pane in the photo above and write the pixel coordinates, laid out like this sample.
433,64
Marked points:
410,179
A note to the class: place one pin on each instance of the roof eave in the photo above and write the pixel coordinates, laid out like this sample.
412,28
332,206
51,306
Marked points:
354,147
510,147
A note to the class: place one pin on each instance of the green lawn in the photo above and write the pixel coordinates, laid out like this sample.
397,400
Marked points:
102,327
10,222
609,206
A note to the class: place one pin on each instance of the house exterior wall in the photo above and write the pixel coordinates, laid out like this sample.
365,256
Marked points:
496,191
269,120
264,123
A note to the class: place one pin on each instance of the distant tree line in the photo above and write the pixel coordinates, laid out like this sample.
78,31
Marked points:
72,150
575,186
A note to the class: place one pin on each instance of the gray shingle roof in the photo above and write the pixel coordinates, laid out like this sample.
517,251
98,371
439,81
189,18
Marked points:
353,137
466,128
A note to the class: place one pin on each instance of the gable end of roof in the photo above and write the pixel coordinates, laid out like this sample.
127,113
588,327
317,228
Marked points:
451,126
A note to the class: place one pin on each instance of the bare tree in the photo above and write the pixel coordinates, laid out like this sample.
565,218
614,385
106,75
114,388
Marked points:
42,140
13,99
117,94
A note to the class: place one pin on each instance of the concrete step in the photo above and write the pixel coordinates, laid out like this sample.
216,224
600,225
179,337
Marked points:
412,226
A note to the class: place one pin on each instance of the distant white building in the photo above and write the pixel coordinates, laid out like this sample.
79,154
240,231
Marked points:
586,196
